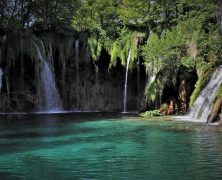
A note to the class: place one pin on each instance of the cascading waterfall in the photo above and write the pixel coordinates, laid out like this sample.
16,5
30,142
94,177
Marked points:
203,105
49,96
1,74
126,83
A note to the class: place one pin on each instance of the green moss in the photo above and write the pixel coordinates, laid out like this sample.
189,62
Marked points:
198,87
219,92
216,110
188,62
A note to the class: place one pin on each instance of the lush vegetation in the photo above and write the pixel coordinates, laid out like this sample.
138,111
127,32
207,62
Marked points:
151,113
167,34
179,34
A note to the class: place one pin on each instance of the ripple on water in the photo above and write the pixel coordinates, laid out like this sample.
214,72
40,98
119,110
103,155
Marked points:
111,149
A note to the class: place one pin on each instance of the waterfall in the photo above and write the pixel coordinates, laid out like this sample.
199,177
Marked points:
126,82
96,75
138,83
50,57
49,96
203,105
77,72
1,74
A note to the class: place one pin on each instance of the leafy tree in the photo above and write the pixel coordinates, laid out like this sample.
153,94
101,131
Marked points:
27,13
96,16
138,13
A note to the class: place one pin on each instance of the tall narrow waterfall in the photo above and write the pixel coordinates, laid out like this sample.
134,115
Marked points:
138,82
1,74
203,105
77,71
126,83
49,97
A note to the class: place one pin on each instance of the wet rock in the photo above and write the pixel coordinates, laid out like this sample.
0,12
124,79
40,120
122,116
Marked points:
215,110
181,129
183,97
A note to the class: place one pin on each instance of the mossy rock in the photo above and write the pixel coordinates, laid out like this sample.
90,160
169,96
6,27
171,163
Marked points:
219,92
217,107
202,81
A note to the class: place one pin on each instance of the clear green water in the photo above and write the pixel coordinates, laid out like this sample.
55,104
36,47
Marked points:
103,147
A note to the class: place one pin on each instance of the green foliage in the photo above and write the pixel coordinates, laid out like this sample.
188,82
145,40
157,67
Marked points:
193,42
122,46
95,46
160,51
139,13
152,53
41,14
154,88
151,113
151,90
162,60
95,16
180,33
114,52
188,62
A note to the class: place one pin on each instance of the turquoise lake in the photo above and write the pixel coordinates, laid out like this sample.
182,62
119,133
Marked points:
102,146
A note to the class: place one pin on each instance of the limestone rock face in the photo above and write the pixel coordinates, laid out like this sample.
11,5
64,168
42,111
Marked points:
97,87
82,83
182,97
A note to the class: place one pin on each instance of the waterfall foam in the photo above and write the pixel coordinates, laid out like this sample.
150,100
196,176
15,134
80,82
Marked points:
203,105
126,83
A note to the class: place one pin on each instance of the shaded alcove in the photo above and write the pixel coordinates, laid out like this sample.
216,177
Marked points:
171,91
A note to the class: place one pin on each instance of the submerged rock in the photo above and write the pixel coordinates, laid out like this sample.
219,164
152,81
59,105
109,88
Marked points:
181,129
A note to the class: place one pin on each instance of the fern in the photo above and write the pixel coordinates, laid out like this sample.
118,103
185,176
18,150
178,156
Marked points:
95,46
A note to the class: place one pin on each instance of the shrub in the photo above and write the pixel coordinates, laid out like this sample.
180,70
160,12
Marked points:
151,113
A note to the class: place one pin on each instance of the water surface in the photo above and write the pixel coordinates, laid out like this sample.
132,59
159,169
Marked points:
98,146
